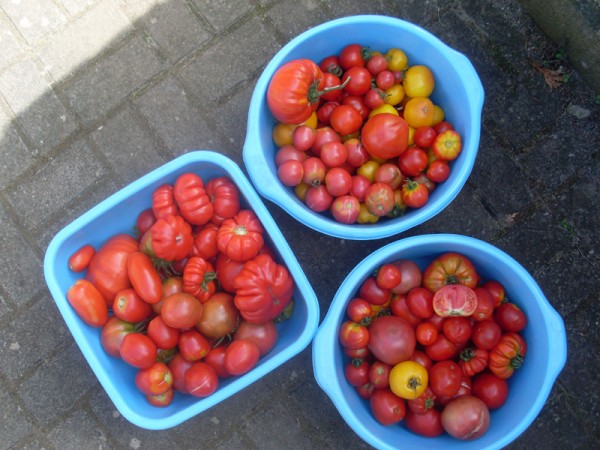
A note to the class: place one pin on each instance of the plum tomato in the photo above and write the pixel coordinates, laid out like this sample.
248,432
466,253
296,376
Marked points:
81,258
138,350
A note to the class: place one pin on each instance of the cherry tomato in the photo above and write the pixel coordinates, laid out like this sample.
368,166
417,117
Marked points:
338,181
353,55
413,161
447,145
345,209
290,173
359,311
353,335
388,276
418,81
424,136
426,333
289,152
493,391
334,154
360,185
345,119
357,372
314,171
385,80
379,374
374,98
356,153
379,199
438,171
419,112
357,80
318,199
377,63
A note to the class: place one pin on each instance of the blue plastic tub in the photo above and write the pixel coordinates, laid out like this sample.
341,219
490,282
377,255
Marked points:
117,214
458,90
529,386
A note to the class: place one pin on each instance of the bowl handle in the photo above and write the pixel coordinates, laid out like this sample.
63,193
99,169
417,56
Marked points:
323,372
475,87
558,343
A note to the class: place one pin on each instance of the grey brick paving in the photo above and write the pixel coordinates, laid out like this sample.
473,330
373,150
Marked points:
95,93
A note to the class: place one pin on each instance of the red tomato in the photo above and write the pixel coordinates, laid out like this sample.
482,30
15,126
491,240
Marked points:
377,63
154,380
353,335
81,258
422,358
216,359
438,171
304,136
318,199
345,119
357,372
493,391
445,378
473,361
170,238
486,334
411,276
164,336
331,90
443,126
485,305
144,277
193,346
338,181
389,174
219,317
287,153
138,350
181,310
108,267
454,300
357,81
423,403
388,276
323,136
365,391
507,356
324,112
264,335
385,80
360,185
353,55
345,209
424,136
163,202
179,367
227,269
112,334
510,317
88,303
357,155
331,64
379,374
224,196
420,302
441,349
427,424
161,400
241,237
391,339
413,161
374,98
496,290
201,380
385,135
450,268
199,278
379,199
415,194
241,356
359,311
466,418
129,306
191,197
372,292
457,329
263,289
387,407
426,333
399,308
205,242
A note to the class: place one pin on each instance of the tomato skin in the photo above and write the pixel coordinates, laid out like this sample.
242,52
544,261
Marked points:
264,335
290,173
88,303
163,202
391,339
389,174
426,333
338,181
424,136
129,306
418,81
199,278
485,305
205,242
423,402
81,258
154,380
353,335
293,92
108,267
181,310
318,199
387,407
241,356
379,374
492,390
144,277
445,378
496,290
373,293
385,136
138,350
170,238
510,317
201,380
388,276
399,308
193,346
428,424
358,81
224,196
241,237
219,317
450,268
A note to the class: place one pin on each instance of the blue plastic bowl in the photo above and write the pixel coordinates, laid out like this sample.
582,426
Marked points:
117,214
529,386
458,90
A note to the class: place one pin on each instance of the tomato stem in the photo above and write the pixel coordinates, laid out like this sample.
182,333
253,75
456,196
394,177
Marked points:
314,94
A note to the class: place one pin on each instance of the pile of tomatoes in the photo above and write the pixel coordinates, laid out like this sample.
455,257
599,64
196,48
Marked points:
358,135
194,298
432,348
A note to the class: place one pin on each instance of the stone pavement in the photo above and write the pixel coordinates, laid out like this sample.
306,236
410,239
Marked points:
95,93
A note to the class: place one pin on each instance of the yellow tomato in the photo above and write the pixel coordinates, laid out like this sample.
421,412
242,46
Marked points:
300,190
419,112
312,121
408,379
383,109
411,135
397,59
438,114
283,134
394,95
368,170
365,216
418,81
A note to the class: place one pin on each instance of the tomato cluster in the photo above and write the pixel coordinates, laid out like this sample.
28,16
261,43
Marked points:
417,341
193,298
358,135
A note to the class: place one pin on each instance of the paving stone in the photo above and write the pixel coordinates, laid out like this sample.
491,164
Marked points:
129,148
233,442
175,117
37,108
174,29
35,19
83,39
11,48
15,157
23,277
221,15
309,12
57,385
75,7
211,75
36,443
341,8
55,184
20,345
79,431
14,425
113,79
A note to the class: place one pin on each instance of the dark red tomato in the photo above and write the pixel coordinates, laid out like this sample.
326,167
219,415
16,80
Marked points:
496,290
144,221
201,380
399,308
438,171
365,391
360,185
193,346
357,155
388,276
428,424
353,335
179,366
154,380
360,353
422,358
379,199
387,407
264,335
219,316
389,174
443,126
420,302
423,403
138,350
358,103
81,258
385,80
88,303
357,372
216,359
485,305
345,119
379,374
445,378
164,336
413,161
385,136
414,194
345,209
486,334
112,334
377,64
353,55
510,317
130,307
450,268
324,112
372,292
493,391
391,339
331,64
411,276
338,181
181,310
424,136
374,98
441,349
457,329
241,356
426,333
318,199
358,80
